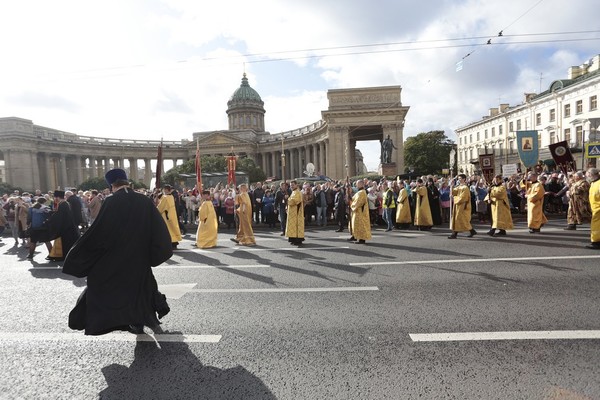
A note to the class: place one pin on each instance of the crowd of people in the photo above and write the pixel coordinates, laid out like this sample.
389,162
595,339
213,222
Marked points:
420,203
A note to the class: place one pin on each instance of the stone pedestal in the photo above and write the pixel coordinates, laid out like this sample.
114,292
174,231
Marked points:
388,169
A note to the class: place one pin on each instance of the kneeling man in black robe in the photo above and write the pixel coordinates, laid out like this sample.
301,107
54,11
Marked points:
116,255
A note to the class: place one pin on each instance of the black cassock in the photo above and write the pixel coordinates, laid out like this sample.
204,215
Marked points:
61,225
116,254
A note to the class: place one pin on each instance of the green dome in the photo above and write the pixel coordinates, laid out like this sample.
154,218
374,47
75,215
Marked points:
245,95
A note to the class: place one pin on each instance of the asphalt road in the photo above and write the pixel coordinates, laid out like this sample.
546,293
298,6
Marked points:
408,315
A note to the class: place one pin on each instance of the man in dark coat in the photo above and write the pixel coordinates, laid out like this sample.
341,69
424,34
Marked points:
61,225
75,203
116,254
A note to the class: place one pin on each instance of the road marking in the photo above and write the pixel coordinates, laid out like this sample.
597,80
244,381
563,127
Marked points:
473,260
289,290
57,268
211,266
516,335
289,248
110,337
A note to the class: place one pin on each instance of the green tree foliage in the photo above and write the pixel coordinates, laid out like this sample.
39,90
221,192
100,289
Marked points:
427,153
213,164
99,184
7,188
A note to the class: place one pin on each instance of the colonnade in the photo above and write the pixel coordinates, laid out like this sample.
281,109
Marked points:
296,160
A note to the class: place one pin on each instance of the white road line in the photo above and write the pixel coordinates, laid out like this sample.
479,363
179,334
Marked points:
58,268
287,290
211,266
516,335
246,248
473,260
111,337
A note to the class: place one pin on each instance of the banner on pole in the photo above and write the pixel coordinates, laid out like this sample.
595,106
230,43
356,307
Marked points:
486,162
527,144
561,154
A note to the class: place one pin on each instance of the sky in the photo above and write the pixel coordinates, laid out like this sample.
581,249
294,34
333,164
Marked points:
152,69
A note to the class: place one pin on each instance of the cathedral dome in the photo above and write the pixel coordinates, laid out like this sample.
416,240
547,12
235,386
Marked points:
245,95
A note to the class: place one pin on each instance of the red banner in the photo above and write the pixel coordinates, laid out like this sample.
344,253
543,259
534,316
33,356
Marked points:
231,164
561,154
486,162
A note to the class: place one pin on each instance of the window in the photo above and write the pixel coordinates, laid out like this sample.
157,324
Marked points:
552,137
567,110
478,136
568,135
493,132
578,134
538,118
471,154
247,120
552,115
510,127
579,107
499,129
518,124
539,140
593,103
485,134
470,138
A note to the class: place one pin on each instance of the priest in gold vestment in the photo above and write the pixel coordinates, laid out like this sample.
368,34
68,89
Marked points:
294,228
403,216
245,234
461,208
206,236
166,208
535,203
500,208
360,222
594,176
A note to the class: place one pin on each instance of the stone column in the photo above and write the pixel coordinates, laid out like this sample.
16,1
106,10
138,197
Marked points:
64,181
79,163
8,169
91,172
337,152
147,172
35,170
322,158
48,181
133,169
292,163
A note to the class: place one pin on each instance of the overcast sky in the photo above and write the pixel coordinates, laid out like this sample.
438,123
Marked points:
146,69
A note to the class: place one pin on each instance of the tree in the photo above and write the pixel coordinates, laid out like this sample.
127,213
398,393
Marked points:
255,173
7,188
427,153
99,184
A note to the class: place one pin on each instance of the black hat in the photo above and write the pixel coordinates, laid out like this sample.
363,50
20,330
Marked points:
59,193
116,174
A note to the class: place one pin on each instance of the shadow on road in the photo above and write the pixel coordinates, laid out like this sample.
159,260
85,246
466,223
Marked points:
174,372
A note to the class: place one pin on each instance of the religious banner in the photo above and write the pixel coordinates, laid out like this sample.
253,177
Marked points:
486,162
527,144
561,154
231,165
198,169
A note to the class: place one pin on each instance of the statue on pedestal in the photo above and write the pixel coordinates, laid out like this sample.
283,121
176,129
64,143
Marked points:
386,150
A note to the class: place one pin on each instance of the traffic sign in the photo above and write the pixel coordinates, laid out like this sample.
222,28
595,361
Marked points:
592,150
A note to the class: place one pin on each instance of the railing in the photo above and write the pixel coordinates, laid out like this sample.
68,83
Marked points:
55,135
299,131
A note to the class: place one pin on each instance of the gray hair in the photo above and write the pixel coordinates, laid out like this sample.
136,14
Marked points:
594,173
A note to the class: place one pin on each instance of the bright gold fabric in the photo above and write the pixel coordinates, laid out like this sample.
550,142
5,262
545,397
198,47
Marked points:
166,207
56,250
294,227
501,217
461,209
595,204
403,215
535,205
361,225
422,209
245,234
206,235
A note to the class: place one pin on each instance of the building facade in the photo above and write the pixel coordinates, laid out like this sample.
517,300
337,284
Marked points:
45,158
568,110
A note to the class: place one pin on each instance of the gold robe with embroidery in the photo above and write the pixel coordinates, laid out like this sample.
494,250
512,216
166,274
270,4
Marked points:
403,215
422,210
595,205
501,218
206,236
461,209
361,225
166,207
294,227
245,234
535,205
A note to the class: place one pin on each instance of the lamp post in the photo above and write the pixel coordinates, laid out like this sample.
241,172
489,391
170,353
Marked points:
282,160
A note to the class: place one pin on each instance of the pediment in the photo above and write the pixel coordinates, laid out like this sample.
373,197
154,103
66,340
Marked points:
221,139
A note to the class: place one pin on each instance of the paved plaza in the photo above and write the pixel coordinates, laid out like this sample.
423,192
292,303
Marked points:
408,315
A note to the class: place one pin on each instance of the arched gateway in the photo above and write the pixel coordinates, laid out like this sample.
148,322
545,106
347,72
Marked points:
37,157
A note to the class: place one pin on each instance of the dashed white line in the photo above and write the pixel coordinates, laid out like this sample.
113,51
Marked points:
509,335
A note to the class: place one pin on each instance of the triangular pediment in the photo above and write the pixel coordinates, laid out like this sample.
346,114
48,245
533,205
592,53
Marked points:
221,139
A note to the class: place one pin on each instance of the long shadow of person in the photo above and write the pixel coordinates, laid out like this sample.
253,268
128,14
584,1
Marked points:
172,371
